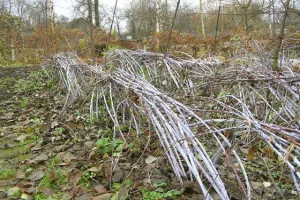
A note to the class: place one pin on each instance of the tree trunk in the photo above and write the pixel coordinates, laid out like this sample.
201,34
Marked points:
13,50
51,16
158,16
201,19
97,15
90,16
276,65
217,26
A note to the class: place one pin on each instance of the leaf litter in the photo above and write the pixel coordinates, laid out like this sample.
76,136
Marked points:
73,135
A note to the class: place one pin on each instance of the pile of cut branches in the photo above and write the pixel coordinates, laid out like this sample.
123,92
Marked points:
186,100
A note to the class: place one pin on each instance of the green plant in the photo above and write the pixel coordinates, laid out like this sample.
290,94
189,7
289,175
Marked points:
159,193
86,178
60,130
40,196
4,174
107,146
55,177
24,102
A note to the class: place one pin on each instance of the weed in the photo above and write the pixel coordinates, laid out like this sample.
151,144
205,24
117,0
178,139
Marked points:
107,146
40,196
59,130
55,176
54,179
86,179
4,174
24,102
159,193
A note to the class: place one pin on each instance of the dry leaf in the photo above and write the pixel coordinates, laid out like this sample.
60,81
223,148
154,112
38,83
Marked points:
251,153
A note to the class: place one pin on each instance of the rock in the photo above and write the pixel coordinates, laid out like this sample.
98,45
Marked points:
12,191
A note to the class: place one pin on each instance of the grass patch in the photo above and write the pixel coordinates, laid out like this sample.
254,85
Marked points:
5,174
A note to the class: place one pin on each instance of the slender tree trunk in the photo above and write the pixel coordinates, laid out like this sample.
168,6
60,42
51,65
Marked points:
201,19
51,15
112,23
274,22
158,23
270,19
158,16
97,15
218,18
246,21
13,50
90,16
276,66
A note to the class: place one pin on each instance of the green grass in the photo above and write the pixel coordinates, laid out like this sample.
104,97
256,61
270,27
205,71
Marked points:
5,174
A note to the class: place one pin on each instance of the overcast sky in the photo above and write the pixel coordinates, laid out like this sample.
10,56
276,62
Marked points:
65,7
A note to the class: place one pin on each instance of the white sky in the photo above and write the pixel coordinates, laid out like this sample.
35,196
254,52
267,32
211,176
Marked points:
66,7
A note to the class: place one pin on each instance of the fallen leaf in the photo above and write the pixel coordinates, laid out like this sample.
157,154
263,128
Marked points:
27,186
20,175
267,184
7,116
75,177
35,176
25,196
100,189
12,191
251,153
150,159
54,124
6,182
69,157
21,138
103,196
